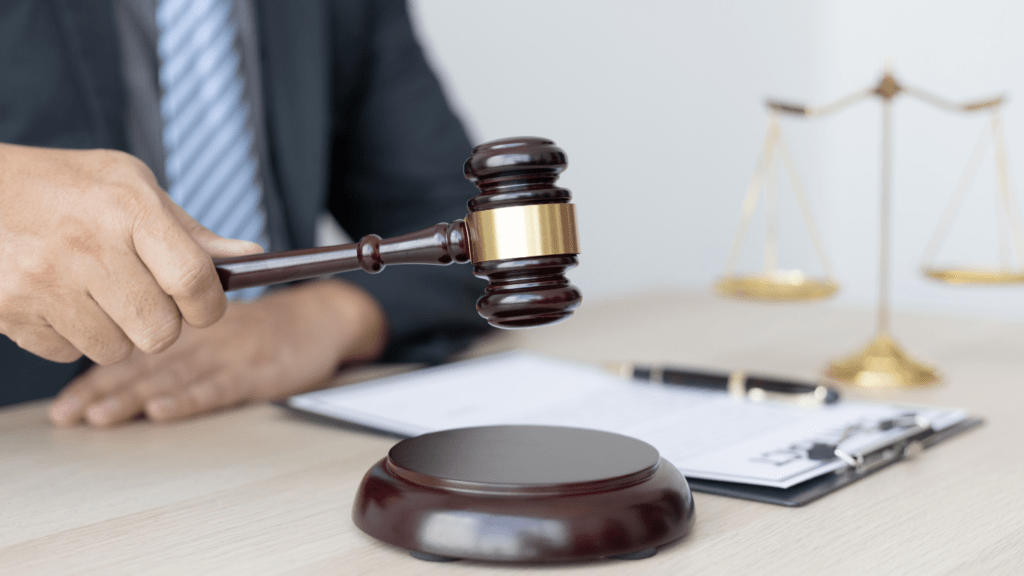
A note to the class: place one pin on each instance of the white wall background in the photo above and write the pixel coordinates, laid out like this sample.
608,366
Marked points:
659,105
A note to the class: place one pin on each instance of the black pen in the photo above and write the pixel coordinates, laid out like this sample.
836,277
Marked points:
738,384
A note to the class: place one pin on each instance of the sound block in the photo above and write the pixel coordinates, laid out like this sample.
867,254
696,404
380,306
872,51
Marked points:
524,494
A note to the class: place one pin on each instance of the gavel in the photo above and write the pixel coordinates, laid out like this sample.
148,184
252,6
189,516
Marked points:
520,234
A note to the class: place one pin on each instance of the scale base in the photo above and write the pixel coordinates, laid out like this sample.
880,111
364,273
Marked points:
882,364
524,494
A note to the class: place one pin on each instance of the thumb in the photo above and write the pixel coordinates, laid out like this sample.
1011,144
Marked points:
216,246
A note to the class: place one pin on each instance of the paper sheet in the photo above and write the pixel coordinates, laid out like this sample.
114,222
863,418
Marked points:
705,434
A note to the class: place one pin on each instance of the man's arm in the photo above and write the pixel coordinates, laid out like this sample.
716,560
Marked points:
398,157
289,341
398,152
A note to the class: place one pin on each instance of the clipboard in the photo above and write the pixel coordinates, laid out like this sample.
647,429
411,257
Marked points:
815,488
722,445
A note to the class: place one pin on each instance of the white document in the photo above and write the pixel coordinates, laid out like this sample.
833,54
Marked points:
705,434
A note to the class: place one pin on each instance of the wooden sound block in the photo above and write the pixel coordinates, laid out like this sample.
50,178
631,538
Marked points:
524,494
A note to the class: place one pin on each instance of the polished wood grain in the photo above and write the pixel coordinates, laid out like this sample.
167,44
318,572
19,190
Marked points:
440,244
524,494
256,491
521,293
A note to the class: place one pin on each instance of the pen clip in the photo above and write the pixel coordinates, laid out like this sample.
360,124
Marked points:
814,398
907,444
741,387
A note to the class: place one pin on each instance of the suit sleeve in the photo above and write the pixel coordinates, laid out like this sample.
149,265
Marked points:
397,158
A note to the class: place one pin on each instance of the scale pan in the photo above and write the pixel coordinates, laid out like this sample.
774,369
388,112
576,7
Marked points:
777,286
975,275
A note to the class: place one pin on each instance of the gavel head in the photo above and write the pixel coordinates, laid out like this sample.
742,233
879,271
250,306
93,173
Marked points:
522,232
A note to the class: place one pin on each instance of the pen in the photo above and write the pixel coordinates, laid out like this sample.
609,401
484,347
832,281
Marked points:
738,384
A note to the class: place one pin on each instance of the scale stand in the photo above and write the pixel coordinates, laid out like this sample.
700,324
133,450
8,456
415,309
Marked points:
883,363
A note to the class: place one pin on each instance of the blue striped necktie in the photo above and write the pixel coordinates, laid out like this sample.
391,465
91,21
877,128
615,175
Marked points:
208,137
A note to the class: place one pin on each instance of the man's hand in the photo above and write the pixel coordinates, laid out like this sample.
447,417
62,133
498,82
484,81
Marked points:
287,342
96,259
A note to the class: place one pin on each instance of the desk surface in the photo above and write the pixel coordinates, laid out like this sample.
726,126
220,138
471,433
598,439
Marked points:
256,491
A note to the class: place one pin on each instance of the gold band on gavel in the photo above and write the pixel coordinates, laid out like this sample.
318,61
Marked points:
522,232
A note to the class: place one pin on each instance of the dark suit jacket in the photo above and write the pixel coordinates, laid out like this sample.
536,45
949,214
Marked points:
356,124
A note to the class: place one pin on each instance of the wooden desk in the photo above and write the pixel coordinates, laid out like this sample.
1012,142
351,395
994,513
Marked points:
255,491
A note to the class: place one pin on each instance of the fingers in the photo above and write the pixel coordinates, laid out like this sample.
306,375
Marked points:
114,409
177,251
211,393
96,223
147,316
181,267
66,411
84,397
108,395
97,410
90,388
45,342
214,245
90,330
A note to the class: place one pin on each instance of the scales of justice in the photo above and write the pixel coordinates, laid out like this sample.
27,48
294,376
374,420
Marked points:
882,363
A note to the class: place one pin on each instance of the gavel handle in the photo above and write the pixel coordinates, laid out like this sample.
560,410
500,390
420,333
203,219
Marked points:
439,244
